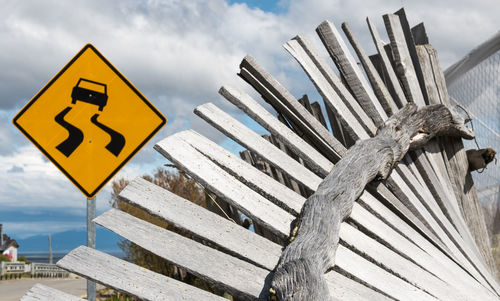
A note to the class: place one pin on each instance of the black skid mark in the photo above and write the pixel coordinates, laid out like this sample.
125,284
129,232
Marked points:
117,142
75,137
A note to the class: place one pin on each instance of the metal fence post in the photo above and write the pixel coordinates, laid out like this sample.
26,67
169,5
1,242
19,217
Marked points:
91,238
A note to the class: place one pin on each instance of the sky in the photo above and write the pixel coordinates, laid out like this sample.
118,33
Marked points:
178,54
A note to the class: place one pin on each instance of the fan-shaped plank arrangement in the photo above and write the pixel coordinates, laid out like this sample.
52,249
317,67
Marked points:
382,209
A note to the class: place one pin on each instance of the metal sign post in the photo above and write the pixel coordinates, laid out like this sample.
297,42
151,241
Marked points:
91,238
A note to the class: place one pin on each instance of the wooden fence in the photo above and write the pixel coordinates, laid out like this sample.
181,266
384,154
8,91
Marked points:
417,235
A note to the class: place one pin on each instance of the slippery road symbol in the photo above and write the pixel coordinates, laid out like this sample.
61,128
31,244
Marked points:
75,135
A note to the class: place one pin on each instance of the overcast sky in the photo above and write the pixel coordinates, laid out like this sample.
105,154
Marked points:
178,54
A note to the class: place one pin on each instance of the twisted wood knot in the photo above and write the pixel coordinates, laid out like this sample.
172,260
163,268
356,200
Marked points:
304,271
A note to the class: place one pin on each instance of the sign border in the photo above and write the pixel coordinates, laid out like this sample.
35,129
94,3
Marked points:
126,81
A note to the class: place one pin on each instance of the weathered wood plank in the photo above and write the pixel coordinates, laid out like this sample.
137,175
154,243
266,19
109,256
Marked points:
345,288
448,235
375,280
296,122
266,186
40,292
385,282
454,150
404,65
240,278
393,232
213,228
230,237
410,43
269,126
249,139
392,80
426,65
210,175
311,250
383,95
348,67
419,34
336,96
212,150
314,160
129,278
274,87
396,264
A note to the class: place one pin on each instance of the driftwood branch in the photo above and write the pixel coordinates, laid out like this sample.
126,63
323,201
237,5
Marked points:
314,240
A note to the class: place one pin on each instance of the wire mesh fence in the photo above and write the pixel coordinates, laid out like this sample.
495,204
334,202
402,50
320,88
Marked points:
478,91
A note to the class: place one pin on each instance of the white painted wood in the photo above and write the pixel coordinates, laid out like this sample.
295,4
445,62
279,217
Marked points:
356,120
232,238
270,83
317,162
239,278
404,64
374,279
246,173
393,81
129,278
331,148
344,288
249,139
40,292
435,225
398,265
201,223
348,66
192,138
208,174
384,281
418,249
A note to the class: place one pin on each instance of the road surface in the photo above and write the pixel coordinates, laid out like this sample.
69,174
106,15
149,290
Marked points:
13,290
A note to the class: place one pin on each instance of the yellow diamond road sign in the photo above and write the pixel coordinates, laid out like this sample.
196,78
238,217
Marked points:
89,120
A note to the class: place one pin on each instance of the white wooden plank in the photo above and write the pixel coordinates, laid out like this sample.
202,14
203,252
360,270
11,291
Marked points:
398,265
246,137
404,64
378,85
348,66
246,173
459,234
192,138
375,279
129,278
270,83
40,292
435,225
239,241
384,281
412,245
224,185
239,278
201,223
331,89
299,123
315,160
344,288
393,81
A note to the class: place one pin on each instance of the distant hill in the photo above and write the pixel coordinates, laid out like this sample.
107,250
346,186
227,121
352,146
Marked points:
67,241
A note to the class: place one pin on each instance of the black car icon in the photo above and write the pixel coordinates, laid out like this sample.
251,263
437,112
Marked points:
94,93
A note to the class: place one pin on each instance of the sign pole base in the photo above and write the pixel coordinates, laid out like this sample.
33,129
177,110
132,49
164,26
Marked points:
91,238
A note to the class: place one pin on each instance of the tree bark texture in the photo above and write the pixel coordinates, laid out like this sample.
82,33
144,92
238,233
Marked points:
315,237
